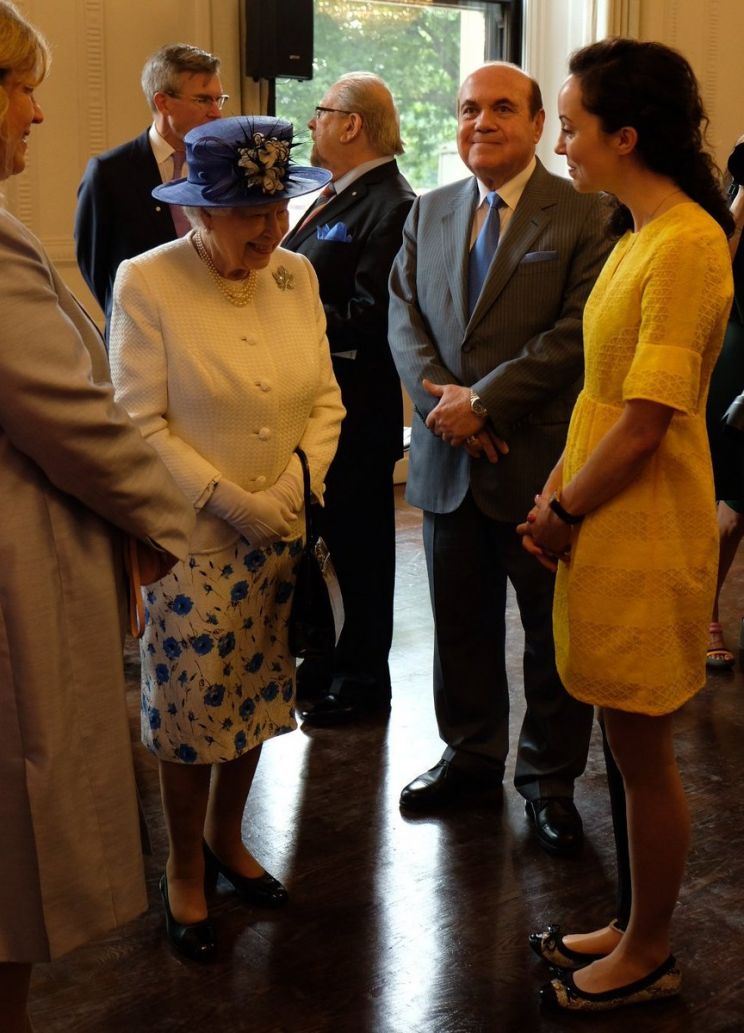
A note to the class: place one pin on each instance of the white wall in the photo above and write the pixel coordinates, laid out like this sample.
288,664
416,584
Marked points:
708,32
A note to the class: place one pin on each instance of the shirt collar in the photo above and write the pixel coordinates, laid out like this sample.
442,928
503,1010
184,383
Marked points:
358,171
160,147
512,190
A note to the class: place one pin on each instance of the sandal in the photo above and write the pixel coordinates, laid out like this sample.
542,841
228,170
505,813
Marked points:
717,657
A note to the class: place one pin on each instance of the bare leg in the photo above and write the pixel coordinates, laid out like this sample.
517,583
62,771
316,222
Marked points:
231,783
185,790
658,832
14,983
731,531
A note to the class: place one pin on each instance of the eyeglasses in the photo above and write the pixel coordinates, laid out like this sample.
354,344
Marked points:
203,99
339,111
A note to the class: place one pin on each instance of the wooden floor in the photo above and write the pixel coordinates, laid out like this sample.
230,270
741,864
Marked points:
398,925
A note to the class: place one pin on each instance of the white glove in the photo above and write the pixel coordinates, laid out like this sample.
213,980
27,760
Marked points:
289,488
259,517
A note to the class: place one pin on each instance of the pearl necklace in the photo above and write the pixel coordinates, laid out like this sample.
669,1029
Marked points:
240,295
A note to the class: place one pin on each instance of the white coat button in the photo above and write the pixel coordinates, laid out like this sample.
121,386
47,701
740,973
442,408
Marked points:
261,479
263,385
264,434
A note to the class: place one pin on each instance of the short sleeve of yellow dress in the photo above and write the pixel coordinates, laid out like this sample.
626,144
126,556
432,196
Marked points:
631,610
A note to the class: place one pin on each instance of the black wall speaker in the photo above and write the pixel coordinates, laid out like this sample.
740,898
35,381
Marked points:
278,39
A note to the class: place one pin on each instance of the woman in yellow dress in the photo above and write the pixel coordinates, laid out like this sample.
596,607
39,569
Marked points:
628,515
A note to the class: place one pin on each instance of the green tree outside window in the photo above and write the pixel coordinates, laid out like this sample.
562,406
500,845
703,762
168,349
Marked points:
415,48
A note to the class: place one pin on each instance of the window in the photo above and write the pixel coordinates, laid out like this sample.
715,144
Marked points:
422,49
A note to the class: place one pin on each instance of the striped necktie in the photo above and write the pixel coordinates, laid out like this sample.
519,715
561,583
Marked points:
324,197
483,250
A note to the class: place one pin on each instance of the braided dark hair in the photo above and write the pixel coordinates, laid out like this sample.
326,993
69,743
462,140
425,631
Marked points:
651,87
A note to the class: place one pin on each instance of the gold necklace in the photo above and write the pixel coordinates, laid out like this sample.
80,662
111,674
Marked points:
240,295
661,202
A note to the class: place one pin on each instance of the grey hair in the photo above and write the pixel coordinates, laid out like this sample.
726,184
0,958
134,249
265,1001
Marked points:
368,95
161,71
195,217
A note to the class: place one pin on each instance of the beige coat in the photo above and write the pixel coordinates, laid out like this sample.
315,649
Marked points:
71,466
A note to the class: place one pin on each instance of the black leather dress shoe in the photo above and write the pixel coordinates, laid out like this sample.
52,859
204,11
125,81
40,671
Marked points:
349,697
333,709
196,941
313,680
263,890
445,786
557,824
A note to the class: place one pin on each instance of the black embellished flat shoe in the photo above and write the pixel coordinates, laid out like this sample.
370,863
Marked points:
549,946
196,941
662,983
263,890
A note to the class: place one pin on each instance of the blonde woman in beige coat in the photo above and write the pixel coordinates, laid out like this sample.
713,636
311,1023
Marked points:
74,474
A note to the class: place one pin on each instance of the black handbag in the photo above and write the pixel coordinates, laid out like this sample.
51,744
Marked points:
317,614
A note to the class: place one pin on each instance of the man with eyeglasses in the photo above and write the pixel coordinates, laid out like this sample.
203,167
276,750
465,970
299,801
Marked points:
351,237
117,217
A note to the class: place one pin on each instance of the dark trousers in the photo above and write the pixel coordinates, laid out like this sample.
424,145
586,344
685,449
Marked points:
358,524
469,559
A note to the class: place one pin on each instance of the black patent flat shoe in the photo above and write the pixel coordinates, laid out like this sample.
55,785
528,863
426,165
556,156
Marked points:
662,983
196,941
263,890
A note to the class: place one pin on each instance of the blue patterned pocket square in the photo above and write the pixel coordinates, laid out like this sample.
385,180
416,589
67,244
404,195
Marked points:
339,233
539,256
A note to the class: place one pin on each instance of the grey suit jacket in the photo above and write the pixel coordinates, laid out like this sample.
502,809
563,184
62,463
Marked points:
521,350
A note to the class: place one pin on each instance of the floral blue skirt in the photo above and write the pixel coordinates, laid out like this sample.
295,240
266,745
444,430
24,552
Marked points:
217,676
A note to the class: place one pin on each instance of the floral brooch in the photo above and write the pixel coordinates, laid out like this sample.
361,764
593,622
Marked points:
284,279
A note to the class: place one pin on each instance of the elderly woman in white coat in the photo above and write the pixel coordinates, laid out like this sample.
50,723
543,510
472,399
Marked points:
74,474
218,351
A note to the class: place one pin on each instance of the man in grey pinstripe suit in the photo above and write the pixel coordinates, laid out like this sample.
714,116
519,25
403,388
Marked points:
493,391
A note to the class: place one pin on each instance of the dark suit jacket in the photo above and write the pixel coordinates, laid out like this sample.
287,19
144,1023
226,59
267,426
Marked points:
353,279
521,350
117,217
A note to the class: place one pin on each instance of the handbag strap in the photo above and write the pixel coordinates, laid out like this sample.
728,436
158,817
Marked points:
136,605
310,534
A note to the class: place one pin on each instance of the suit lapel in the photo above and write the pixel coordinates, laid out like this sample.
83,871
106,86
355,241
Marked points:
456,225
335,208
533,213
146,171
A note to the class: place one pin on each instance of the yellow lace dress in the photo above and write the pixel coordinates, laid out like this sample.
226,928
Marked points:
632,609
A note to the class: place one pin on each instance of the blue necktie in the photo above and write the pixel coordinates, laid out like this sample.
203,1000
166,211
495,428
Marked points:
483,250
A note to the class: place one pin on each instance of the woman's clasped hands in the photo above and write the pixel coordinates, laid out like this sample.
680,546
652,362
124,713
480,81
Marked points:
545,536
261,517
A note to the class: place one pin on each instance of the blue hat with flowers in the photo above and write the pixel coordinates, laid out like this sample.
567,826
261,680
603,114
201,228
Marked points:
234,162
